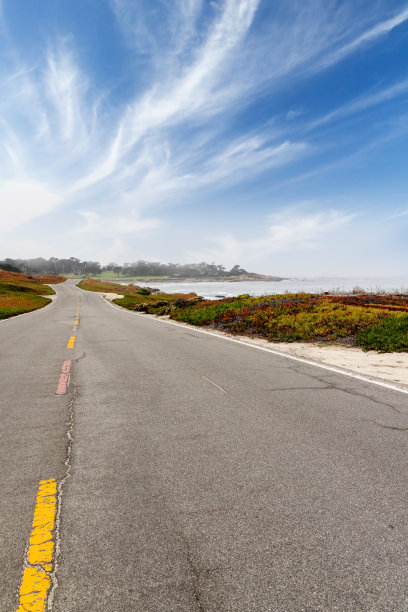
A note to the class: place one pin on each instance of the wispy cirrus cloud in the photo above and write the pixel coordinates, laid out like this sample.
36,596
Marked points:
362,103
368,37
181,127
294,229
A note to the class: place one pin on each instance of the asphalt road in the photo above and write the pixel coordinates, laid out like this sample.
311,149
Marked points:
203,475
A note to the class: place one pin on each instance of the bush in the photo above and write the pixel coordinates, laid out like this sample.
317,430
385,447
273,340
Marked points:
143,291
386,337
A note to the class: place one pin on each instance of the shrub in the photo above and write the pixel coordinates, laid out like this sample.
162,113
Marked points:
386,337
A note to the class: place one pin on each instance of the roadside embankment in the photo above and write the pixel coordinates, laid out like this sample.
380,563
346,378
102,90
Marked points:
20,293
332,330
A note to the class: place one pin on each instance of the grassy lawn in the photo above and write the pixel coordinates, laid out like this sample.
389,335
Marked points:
109,275
20,293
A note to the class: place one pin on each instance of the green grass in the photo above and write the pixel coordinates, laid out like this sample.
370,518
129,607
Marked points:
20,293
90,284
389,336
109,275
18,304
141,278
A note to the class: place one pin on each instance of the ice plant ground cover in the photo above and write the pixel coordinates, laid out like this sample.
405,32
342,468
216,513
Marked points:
372,321
389,336
20,293
308,317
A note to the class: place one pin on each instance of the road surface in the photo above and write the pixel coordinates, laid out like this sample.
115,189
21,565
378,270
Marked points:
193,473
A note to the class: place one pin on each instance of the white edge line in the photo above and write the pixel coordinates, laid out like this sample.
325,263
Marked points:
345,372
24,314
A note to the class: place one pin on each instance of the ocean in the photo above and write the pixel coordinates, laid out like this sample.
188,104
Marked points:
216,290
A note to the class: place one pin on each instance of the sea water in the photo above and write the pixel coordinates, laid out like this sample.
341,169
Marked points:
218,289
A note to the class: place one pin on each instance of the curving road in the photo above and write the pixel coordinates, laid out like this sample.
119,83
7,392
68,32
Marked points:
202,475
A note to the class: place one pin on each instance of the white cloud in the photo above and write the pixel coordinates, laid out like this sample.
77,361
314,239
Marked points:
105,226
362,103
398,215
65,88
292,230
368,37
173,138
22,201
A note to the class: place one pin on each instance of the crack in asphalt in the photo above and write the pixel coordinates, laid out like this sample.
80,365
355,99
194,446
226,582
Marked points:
300,388
79,358
236,399
197,575
390,426
349,391
196,579
60,491
372,399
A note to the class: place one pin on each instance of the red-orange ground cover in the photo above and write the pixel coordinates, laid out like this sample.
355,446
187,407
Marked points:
50,279
21,293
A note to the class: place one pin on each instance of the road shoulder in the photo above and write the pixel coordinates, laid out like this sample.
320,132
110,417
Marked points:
388,367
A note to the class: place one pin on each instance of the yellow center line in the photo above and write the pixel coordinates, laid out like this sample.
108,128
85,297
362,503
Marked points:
71,341
36,581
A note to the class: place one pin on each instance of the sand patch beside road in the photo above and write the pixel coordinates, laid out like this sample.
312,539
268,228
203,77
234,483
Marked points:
392,367
112,296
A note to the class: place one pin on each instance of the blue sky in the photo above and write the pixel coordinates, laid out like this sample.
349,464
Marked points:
268,133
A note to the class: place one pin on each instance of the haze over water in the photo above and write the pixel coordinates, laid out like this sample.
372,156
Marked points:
212,290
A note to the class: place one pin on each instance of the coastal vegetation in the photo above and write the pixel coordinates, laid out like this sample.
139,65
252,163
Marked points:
21,293
298,317
388,336
371,321
142,299
158,303
102,286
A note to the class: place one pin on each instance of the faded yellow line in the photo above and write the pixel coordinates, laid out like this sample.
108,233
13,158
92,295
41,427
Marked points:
71,342
36,580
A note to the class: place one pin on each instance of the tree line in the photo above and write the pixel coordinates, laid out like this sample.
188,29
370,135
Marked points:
75,266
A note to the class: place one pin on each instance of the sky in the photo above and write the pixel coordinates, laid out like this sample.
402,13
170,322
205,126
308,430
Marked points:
266,133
